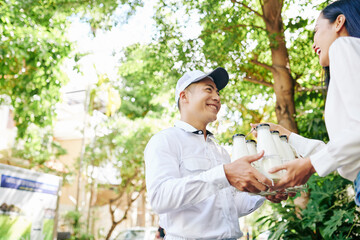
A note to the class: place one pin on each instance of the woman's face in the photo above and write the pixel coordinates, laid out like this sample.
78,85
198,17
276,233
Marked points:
325,35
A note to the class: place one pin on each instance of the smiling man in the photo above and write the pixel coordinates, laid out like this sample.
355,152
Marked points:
189,177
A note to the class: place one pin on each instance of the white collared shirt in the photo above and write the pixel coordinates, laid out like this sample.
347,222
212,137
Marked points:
342,115
187,186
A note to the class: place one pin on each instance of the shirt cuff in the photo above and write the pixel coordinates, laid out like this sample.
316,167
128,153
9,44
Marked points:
218,177
258,203
323,162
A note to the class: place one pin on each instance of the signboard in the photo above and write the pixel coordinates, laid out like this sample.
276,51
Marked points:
28,204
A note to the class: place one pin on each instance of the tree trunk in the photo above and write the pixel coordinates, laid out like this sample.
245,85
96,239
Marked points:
283,81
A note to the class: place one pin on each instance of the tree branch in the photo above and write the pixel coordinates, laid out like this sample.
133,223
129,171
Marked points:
315,88
129,205
262,6
297,76
246,6
243,25
257,81
264,65
117,197
230,28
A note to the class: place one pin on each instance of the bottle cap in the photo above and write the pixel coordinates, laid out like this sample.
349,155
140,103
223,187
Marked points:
284,136
238,135
262,125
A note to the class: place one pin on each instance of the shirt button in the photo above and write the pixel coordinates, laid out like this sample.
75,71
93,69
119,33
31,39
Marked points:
221,186
200,132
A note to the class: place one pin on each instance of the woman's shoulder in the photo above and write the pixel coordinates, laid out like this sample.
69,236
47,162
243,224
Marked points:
343,43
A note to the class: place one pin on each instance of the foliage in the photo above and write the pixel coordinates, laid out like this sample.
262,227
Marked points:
207,34
104,94
38,146
119,145
74,219
330,213
147,74
32,48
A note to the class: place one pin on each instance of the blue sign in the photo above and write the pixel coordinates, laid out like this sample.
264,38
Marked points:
27,185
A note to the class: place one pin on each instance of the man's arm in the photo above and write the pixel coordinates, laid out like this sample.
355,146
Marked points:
168,191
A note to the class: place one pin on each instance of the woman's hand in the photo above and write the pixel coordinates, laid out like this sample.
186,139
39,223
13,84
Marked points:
298,171
273,127
280,196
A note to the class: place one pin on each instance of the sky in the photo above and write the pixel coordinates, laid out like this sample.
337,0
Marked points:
100,59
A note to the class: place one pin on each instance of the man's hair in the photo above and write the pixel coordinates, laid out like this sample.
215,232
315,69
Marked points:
188,89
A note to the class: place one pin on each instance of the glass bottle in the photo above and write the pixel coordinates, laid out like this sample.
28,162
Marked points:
239,147
251,146
289,154
271,157
278,144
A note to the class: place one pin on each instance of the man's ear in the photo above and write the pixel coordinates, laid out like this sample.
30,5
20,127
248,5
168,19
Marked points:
340,23
183,97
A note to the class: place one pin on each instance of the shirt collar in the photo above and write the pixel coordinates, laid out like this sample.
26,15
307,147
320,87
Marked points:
188,128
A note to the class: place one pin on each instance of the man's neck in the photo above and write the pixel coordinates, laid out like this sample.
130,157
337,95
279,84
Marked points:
199,125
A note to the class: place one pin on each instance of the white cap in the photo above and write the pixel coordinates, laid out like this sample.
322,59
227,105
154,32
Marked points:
219,76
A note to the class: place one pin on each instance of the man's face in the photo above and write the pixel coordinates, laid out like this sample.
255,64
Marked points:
204,100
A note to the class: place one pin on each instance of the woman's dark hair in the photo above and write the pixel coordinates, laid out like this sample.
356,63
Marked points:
351,10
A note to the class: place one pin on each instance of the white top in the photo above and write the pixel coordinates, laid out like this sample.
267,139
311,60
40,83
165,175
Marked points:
187,186
342,115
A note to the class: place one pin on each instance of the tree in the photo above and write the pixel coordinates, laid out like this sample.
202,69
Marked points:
33,46
148,76
254,40
120,143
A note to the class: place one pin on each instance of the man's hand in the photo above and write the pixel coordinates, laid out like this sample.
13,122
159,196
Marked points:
298,171
244,177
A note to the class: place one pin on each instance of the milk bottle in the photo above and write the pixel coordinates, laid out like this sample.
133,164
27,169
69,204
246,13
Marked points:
251,146
289,154
271,157
239,147
278,144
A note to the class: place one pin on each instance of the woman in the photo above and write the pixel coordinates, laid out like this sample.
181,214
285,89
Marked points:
337,42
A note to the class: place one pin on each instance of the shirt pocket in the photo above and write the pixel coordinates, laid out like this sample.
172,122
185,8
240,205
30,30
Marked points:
195,165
